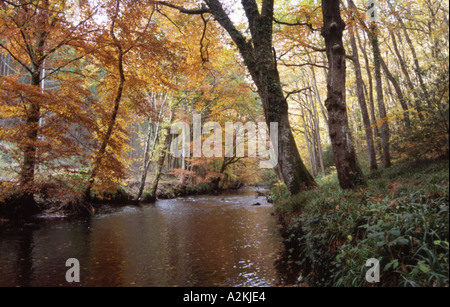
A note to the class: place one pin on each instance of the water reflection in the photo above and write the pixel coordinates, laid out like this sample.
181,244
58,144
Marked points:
196,241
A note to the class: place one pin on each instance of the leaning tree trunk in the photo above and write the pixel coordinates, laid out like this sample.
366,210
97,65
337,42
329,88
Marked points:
152,137
404,69
162,151
349,172
308,142
295,175
316,92
260,59
316,120
398,90
147,157
106,138
112,121
418,70
315,134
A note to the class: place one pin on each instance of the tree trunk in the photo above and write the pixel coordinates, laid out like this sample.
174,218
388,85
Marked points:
404,69
29,162
349,172
416,61
385,133
316,92
112,121
308,142
152,138
147,158
296,176
399,92
314,124
370,95
318,138
33,115
31,27
183,168
102,150
260,59
361,97
161,157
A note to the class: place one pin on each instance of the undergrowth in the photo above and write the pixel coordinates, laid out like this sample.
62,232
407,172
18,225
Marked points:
401,218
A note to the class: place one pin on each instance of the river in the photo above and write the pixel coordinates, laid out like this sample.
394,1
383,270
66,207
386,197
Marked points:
198,241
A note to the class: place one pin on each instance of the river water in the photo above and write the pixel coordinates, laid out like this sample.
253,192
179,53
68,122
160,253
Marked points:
191,242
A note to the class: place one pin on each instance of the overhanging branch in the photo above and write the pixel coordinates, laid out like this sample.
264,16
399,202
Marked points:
198,11
297,91
295,24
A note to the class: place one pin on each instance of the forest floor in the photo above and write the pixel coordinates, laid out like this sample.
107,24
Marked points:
400,218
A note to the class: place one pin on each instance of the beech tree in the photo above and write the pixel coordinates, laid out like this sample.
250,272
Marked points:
32,33
75,84
120,51
260,59
349,172
135,49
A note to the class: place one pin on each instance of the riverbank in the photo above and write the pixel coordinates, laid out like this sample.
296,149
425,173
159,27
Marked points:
401,219
123,196
169,188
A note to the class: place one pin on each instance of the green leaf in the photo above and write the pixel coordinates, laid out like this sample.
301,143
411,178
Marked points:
395,265
394,232
439,242
424,268
400,240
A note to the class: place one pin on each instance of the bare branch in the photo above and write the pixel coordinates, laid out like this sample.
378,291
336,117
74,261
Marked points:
170,20
296,24
16,58
224,20
202,47
199,11
302,65
298,91
17,5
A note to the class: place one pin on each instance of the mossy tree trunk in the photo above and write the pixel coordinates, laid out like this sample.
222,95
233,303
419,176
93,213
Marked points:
260,59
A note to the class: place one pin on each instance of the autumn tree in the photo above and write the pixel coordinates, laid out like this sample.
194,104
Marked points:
260,60
120,53
158,105
135,45
34,34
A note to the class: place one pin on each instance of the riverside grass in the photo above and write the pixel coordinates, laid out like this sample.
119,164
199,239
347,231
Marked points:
401,218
